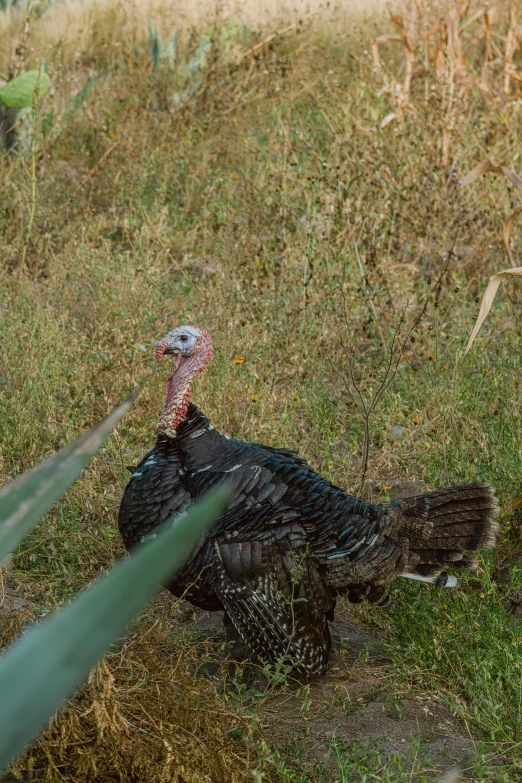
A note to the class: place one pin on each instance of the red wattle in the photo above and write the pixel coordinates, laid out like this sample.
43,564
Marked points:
179,382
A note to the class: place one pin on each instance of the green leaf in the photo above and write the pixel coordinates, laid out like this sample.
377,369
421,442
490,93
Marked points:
53,658
27,498
24,90
155,46
48,121
75,103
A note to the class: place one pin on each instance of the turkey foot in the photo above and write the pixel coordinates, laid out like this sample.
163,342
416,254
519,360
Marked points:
240,650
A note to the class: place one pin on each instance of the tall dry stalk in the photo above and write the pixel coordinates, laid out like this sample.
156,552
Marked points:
511,46
446,42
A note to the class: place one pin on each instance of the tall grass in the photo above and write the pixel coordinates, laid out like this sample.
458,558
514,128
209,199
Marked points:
247,209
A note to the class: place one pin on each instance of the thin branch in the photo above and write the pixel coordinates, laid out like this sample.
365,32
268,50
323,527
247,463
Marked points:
361,269
349,354
91,173
365,408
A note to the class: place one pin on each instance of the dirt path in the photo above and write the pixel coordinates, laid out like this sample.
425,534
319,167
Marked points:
353,703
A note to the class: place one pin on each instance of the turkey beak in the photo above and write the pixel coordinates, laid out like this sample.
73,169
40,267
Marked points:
171,350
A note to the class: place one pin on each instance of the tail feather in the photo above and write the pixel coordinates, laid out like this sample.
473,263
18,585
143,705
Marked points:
441,580
445,525
442,516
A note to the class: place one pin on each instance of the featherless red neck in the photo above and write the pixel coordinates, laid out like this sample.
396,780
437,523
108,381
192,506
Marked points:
191,349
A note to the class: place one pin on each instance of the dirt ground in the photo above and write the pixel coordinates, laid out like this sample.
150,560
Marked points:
372,713
353,702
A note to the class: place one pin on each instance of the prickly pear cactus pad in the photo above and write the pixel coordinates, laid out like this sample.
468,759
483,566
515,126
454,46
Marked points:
26,88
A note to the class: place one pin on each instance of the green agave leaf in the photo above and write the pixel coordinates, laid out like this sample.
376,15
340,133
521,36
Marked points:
23,90
155,46
27,498
75,103
53,658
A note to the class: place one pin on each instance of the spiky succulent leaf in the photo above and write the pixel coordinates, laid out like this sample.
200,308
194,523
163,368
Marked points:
53,658
27,498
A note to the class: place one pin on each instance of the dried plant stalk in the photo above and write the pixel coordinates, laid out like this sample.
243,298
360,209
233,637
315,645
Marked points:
486,167
451,56
490,166
511,45
506,233
488,298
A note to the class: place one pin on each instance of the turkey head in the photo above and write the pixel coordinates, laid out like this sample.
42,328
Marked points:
191,350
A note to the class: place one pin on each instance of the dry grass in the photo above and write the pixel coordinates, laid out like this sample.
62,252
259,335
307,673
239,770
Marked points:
73,22
248,211
146,713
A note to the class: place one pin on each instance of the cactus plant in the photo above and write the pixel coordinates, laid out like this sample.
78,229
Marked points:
16,99
189,69
25,89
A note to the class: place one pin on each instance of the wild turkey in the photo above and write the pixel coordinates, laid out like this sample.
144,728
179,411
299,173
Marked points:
288,541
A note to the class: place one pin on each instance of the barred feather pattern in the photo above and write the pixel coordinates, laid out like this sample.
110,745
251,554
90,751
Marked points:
277,602
289,541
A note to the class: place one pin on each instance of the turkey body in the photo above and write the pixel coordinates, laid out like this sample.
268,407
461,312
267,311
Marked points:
288,540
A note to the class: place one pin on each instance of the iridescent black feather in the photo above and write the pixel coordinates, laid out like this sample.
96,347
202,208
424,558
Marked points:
289,541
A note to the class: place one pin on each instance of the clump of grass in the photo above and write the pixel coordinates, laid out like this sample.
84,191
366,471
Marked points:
465,643
463,648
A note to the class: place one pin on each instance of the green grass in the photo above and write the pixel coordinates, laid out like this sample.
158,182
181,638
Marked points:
356,762
249,214
465,643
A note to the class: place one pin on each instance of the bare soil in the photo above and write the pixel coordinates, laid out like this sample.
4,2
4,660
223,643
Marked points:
353,702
